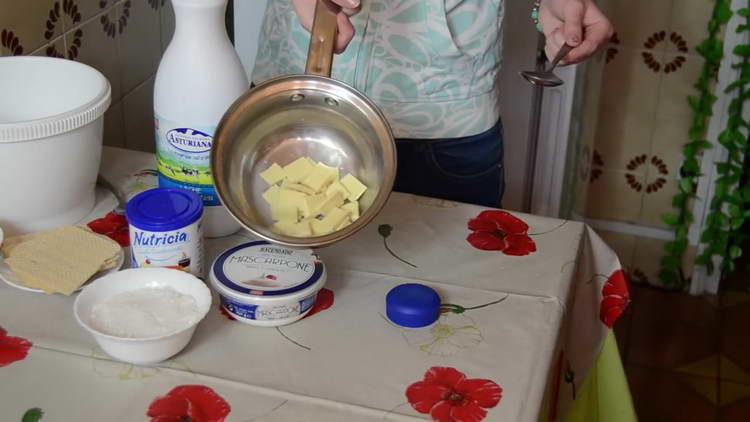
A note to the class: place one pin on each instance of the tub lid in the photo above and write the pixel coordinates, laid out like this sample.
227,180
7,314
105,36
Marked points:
261,268
45,96
164,209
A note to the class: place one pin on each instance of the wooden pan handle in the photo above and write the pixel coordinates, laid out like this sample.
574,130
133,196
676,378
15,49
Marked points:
322,39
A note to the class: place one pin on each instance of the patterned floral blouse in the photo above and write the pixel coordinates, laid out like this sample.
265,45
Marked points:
430,65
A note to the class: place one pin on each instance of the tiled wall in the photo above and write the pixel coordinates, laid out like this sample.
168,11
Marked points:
644,120
124,39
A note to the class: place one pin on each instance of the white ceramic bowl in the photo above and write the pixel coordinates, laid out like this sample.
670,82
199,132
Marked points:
141,351
50,141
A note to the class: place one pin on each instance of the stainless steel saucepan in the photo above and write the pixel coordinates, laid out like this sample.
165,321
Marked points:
303,115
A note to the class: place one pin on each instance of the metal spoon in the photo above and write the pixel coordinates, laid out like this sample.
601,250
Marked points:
546,77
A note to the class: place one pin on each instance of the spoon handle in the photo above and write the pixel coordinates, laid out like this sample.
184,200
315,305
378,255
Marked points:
560,55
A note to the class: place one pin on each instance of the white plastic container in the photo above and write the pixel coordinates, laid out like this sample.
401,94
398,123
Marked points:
263,284
50,141
141,351
199,77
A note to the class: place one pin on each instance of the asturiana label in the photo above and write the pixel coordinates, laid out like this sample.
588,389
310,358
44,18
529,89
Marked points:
189,140
183,155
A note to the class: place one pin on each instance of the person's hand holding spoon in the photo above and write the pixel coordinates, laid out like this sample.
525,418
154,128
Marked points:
574,30
578,23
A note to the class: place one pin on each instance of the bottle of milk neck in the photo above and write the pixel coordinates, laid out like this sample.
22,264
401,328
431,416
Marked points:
199,77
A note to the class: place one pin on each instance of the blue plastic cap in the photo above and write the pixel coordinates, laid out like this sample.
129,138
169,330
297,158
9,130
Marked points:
161,209
412,305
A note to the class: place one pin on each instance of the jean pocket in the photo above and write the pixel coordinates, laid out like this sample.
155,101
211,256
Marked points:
484,188
468,158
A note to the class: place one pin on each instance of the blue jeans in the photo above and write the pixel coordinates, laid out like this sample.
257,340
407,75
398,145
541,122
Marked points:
468,169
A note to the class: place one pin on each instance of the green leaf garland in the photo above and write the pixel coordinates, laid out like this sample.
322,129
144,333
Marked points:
712,50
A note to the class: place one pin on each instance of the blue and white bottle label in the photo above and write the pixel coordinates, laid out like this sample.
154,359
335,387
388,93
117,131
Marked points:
183,154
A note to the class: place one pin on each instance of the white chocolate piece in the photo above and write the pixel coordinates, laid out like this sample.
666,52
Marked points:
297,187
337,187
321,177
284,212
335,217
331,202
352,208
273,174
298,170
292,198
344,225
312,205
320,229
354,187
330,223
272,195
301,229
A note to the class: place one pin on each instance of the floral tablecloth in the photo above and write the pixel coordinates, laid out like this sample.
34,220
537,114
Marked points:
528,304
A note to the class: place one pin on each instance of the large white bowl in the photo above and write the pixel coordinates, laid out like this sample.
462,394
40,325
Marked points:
141,351
50,141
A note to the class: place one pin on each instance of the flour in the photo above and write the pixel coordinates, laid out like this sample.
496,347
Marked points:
145,312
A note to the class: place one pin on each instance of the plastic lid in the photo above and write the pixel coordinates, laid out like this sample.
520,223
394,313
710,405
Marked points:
261,268
412,305
46,96
163,209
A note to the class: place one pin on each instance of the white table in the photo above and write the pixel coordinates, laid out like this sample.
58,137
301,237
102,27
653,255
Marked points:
346,363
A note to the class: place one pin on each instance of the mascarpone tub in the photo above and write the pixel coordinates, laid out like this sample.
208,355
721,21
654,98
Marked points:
264,284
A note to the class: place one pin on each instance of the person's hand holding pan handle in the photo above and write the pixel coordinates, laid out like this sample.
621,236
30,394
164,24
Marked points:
306,12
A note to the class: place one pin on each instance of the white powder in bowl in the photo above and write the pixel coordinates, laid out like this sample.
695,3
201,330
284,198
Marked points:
145,312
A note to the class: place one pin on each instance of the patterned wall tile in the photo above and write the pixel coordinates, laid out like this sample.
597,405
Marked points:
138,35
629,85
689,19
658,200
636,20
114,126
52,48
91,44
621,137
167,24
677,85
615,196
70,15
670,134
25,26
623,244
664,51
91,8
138,108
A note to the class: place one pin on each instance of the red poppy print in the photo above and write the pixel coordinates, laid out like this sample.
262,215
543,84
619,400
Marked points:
12,349
194,403
323,301
114,226
226,314
448,396
615,298
500,231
